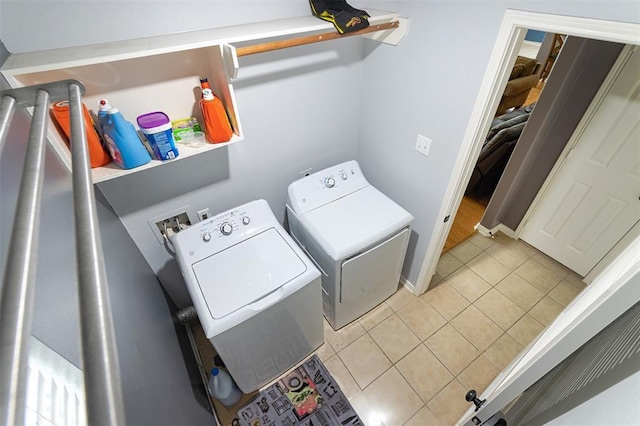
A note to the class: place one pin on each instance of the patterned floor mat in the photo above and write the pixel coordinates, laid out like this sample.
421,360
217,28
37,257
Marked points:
307,396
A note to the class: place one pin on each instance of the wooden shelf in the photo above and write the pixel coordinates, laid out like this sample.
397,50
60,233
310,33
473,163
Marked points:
162,73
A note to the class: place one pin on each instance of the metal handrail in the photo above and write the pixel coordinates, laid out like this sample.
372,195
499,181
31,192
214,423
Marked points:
99,353
16,308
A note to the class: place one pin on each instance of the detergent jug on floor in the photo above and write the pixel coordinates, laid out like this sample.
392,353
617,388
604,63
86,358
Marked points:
223,388
123,141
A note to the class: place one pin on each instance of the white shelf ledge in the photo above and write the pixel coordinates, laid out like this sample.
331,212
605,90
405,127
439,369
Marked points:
111,170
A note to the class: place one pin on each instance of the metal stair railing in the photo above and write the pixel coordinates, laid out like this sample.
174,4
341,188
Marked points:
98,348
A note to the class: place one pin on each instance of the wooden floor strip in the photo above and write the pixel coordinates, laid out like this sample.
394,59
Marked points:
469,214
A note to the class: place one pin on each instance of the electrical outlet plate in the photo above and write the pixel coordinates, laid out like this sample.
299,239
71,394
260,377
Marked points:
174,219
203,214
423,145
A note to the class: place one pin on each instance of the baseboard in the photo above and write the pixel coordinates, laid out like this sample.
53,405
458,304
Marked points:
490,233
405,282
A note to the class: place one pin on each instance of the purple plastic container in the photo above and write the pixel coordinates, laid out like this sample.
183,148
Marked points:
156,127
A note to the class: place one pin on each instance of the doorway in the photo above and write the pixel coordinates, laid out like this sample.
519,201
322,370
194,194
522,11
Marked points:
483,183
524,171
539,52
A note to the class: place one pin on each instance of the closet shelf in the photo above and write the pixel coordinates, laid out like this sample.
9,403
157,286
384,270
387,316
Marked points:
120,72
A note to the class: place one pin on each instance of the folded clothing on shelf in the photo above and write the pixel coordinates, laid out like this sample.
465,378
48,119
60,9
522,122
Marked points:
344,17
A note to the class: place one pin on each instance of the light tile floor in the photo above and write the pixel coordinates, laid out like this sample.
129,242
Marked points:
411,360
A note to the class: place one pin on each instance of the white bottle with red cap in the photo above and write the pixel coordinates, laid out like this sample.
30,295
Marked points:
103,107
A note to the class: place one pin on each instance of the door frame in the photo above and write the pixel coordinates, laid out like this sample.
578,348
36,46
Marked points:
510,37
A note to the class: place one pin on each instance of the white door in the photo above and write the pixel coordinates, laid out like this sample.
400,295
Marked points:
593,198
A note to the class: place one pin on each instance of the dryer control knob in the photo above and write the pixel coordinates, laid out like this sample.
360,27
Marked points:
343,176
226,228
206,237
246,220
329,182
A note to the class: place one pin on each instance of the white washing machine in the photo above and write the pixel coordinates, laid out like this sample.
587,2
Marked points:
257,295
356,236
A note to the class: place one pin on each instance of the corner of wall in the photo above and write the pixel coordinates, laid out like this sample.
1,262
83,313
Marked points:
491,232
408,284
4,53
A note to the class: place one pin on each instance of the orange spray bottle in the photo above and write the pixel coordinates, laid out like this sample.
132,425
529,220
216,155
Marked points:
216,123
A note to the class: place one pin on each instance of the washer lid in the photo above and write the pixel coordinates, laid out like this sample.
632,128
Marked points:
246,272
355,222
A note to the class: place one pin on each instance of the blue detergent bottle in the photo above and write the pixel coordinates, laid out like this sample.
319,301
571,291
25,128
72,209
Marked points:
122,140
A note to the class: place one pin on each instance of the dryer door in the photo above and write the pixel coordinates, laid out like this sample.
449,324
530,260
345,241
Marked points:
370,278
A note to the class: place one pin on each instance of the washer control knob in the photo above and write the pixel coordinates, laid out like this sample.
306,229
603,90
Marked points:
343,176
329,182
206,237
226,228
246,220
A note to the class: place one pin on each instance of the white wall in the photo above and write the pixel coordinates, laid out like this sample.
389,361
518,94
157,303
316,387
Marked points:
65,23
428,85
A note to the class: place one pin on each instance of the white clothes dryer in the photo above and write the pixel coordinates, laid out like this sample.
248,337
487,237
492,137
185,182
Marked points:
356,236
257,295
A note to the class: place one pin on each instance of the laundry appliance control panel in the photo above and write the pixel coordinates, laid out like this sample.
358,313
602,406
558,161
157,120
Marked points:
326,186
228,228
